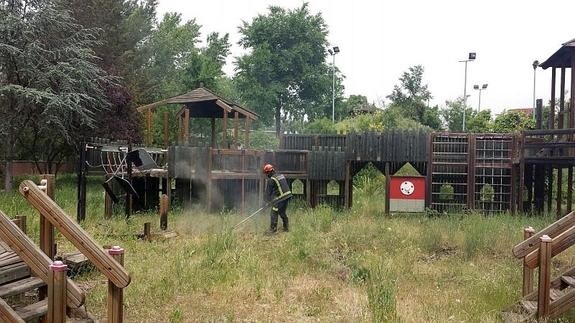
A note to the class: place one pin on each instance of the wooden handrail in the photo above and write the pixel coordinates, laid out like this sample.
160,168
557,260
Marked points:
553,230
33,256
559,244
75,234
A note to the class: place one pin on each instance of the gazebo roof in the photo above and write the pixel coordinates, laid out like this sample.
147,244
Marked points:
203,103
562,57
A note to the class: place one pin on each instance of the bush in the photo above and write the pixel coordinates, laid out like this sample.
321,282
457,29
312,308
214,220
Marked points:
446,192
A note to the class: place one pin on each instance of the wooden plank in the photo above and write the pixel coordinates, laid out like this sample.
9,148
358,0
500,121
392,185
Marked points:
7,314
75,234
33,311
553,230
14,272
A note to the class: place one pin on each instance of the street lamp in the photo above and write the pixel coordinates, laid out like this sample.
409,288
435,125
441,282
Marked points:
470,57
333,51
483,87
535,64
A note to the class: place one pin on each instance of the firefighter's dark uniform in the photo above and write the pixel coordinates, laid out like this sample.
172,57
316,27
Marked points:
278,192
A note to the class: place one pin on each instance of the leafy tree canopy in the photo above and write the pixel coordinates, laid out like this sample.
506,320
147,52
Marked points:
284,76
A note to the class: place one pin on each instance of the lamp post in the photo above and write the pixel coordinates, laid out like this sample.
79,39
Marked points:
477,87
535,65
333,51
471,57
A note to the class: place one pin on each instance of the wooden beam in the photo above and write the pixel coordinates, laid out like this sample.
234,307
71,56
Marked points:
569,189
247,125
149,127
236,128
544,277
166,130
387,187
116,294
57,292
559,207
225,132
213,137
572,92
187,126
561,120
46,228
551,120
527,272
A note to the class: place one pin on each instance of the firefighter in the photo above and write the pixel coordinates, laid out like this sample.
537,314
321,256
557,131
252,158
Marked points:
278,194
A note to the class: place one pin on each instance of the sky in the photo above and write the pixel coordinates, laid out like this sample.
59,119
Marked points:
379,40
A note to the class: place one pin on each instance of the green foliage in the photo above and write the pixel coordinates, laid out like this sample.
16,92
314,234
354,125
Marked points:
50,84
381,292
446,192
512,121
260,139
487,193
411,97
285,77
452,115
480,122
320,126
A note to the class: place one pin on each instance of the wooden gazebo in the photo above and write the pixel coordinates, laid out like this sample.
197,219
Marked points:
203,103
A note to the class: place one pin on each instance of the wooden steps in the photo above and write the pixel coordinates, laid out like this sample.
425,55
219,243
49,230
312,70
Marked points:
20,286
525,310
33,311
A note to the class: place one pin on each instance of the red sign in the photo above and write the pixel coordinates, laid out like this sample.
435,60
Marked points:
407,188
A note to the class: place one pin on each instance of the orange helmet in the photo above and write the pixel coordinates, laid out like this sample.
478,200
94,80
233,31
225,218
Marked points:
268,168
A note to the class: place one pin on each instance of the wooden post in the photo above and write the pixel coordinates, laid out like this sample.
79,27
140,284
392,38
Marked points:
46,228
551,121
128,193
572,99
186,126
247,124
225,131
236,128
116,294
213,124
346,185
527,272
561,120
22,223
149,127
559,189
569,188
81,189
544,277
471,171
57,288
549,188
147,231
387,187
164,209
166,131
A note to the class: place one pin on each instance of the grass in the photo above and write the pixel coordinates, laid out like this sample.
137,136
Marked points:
349,266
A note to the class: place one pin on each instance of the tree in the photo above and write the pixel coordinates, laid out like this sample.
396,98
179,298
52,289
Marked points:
411,96
512,121
285,77
50,86
480,122
124,25
452,114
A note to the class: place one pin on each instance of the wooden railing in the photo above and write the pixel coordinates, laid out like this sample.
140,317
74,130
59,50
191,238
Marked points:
537,250
110,262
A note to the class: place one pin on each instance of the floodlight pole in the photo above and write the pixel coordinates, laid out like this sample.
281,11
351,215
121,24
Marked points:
333,51
470,58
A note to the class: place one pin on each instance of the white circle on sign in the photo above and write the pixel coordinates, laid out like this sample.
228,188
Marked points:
407,188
